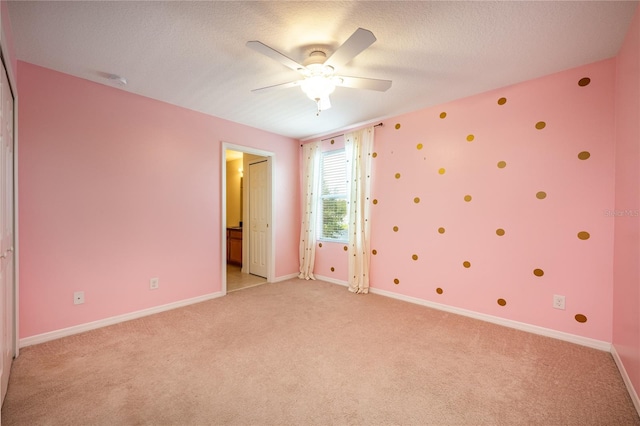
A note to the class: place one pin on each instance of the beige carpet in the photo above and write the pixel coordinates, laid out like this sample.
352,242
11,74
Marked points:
311,353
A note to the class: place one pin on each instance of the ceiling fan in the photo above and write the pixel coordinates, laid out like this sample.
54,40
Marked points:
319,78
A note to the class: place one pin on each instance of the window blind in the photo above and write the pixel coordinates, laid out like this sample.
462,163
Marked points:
333,199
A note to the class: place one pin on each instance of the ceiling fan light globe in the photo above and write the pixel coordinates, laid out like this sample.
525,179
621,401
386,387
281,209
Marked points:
327,70
317,87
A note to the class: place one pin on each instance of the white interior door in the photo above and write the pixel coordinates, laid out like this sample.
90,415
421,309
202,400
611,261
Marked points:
259,208
7,349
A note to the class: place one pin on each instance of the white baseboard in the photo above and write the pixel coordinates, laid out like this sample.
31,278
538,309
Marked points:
332,280
584,341
285,277
57,334
625,377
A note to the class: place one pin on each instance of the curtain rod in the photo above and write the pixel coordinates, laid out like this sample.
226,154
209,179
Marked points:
337,136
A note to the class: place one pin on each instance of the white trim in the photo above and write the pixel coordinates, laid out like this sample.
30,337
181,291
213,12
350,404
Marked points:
285,277
16,234
332,280
271,156
625,377
64,332
8,66
223,220
567,337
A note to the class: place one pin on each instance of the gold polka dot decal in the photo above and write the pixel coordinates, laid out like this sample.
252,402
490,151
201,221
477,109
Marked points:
541,125
395,229
416,200
397,175
581,318
443,114
374,252
439,290
414,257
375,201
500,232
470,138
502,302
419,146
332,141
538,272
441,230
502,101
502,164
584,155
345,248
467,198
333,269
397,126
584,81
583,235
396,281
441,171
466,264
541,195
374,155
319,244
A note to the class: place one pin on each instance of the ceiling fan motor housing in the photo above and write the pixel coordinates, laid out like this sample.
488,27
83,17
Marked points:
315,64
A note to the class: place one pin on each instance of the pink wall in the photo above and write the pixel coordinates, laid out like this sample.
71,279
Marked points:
539,233
116,189
626,278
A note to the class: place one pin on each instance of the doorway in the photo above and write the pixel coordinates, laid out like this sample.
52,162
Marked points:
247,216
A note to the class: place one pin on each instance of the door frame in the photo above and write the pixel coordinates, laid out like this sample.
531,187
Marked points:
8,68
271,257
5,53
11,286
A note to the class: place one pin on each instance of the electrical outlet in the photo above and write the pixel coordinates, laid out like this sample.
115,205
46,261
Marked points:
558,301
154,283
78,297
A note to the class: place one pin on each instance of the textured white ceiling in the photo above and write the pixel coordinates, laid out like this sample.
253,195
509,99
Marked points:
193,54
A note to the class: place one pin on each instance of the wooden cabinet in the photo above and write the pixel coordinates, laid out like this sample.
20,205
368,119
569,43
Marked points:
234,246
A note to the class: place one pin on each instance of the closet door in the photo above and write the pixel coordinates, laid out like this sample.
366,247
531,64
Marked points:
7,310
259,208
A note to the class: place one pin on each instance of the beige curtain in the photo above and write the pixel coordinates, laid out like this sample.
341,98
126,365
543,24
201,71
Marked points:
358,150
311,190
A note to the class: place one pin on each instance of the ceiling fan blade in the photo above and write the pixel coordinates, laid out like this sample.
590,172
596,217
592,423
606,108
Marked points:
359,40
363,83
277,86
325,103
274,54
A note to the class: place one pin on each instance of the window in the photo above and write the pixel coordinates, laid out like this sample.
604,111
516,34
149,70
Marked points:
334,213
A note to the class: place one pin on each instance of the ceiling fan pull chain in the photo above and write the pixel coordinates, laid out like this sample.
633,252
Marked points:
318,105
